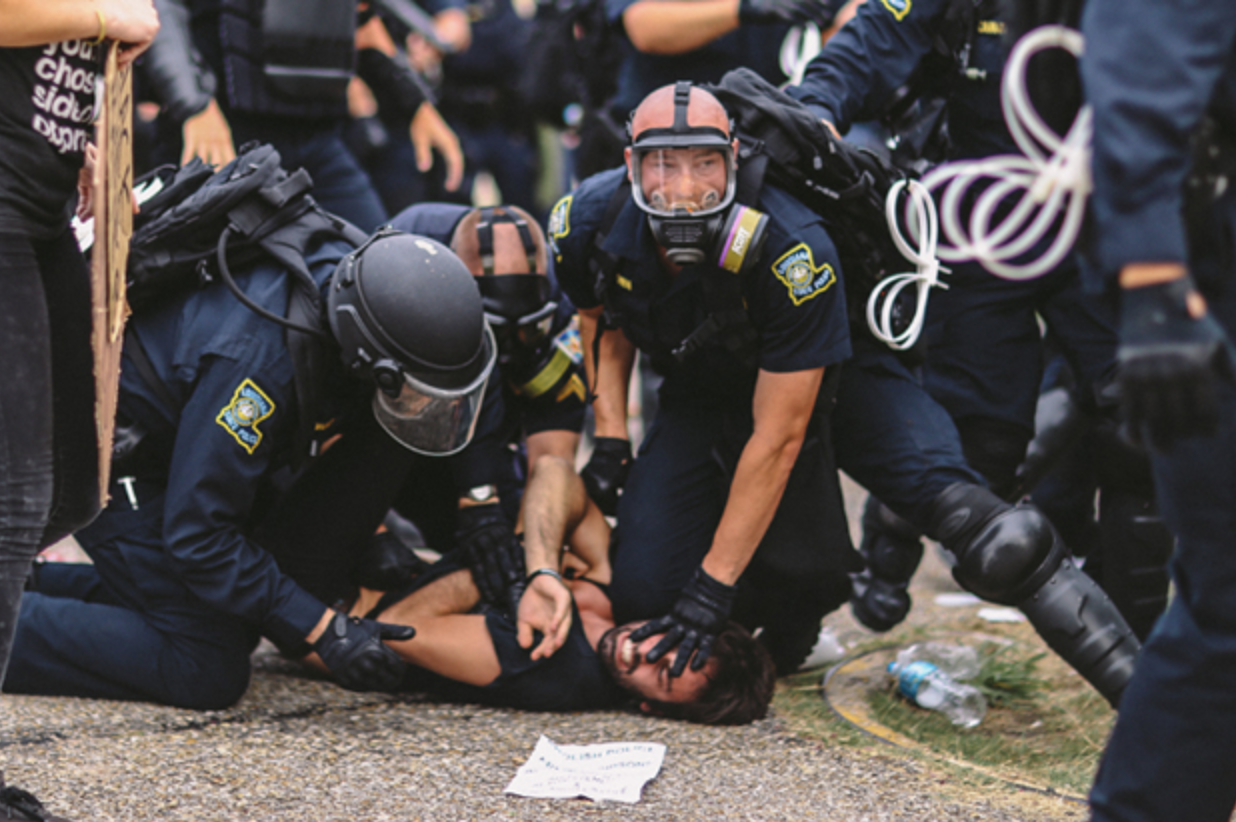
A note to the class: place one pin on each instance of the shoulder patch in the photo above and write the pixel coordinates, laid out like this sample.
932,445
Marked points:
241,416
899,8
797,269
569,341
560,222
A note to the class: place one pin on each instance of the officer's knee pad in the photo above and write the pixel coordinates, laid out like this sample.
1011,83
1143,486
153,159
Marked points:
1004,552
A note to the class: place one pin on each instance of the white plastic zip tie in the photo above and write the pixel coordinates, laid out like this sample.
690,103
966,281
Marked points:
921,218
1047,187
800,46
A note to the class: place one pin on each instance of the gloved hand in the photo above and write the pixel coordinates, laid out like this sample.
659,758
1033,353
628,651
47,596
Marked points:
491,552
352,649
695,620
606,472
387,564
1170,363
796,12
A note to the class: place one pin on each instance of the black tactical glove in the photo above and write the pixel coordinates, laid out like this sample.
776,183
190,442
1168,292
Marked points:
387,564
606,472
695,620
1170,364
491,551
352,649
795,12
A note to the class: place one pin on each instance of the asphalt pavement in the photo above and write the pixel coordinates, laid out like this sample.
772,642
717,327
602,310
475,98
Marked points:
299,748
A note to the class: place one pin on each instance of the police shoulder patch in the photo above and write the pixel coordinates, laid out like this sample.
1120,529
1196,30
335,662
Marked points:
899,8
797,269
560,222
240,417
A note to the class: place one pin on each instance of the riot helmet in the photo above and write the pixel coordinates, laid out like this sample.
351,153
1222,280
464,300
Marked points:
683,175
408,316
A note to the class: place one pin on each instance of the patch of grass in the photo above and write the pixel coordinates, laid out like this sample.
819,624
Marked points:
799,705
1005,678
1048,732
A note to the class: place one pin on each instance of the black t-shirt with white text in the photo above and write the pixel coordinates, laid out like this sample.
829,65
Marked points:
47,96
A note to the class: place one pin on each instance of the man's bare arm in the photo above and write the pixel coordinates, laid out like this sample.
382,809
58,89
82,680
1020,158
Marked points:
449,641
783,405
609,376
678,26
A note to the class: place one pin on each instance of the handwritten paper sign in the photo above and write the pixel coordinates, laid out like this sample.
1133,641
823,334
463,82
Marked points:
615,771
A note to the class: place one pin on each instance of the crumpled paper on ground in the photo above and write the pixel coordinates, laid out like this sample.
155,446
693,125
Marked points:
613,771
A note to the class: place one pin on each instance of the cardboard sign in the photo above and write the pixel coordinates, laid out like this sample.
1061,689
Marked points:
113,221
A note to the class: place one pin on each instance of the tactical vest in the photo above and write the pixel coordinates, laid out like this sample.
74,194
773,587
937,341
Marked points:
673,343
288,57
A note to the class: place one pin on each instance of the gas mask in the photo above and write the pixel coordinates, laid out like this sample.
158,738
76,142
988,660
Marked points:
685,179
518,307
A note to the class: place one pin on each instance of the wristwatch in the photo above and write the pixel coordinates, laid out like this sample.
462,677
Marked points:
483,493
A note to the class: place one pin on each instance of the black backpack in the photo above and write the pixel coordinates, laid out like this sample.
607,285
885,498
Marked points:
781,141
204,223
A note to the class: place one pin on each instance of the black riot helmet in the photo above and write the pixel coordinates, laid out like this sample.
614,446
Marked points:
515,290
407,315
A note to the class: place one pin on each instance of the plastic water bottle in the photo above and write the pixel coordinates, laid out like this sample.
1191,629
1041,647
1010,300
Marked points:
930,688
961,662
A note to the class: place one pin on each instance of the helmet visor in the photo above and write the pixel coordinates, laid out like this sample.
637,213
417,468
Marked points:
683,181
434,421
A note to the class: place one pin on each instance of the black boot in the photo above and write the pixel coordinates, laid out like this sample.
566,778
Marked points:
891,550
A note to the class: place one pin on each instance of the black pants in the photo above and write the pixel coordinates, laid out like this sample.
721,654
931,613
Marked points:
48,446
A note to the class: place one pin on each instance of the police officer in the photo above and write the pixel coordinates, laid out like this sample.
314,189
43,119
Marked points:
983,340
743,312
179,591
1156,76
538,382
671,40
984,349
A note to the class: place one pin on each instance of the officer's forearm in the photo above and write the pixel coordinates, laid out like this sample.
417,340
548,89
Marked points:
609,375
755,492
782,408
678,26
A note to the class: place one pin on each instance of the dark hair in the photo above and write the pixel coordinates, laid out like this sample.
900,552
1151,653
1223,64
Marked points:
741,678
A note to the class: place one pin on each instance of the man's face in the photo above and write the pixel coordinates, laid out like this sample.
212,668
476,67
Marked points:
683,179
625,662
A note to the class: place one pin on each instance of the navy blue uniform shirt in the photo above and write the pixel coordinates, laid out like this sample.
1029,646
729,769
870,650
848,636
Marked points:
1150,77
231,372
794,293
853,78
